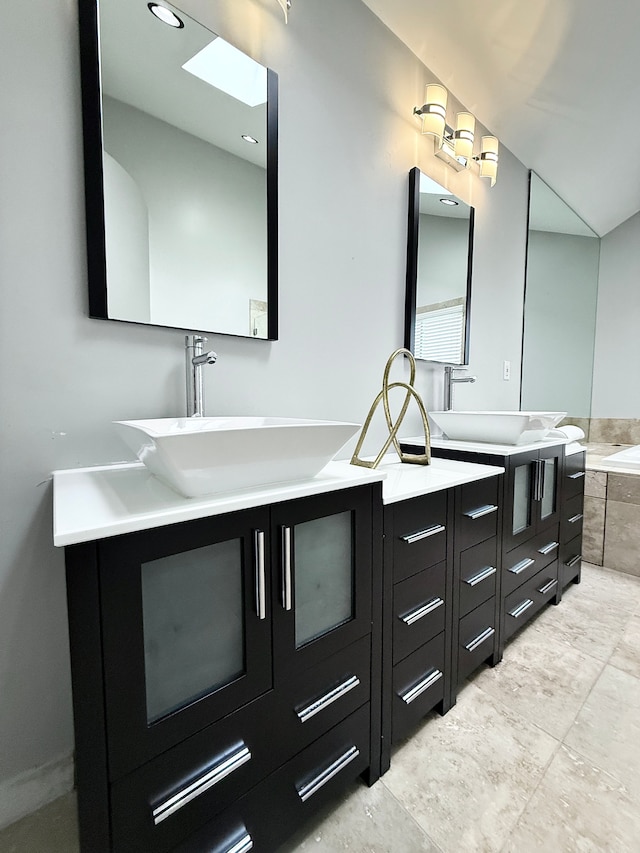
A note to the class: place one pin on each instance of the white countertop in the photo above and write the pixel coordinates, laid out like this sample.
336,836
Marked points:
93,503
404,480
485,447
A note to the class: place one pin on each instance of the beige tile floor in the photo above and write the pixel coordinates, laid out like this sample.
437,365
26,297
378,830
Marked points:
541,753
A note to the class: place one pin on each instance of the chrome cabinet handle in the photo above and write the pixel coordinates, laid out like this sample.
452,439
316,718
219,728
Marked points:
521,566
487,509
577,475
539,481
287,597
477,641
547,549
424,684
423,610
571,563
217,773
310,788
548,587
575,518
481,576
243,846
261,597
521,608
410,538
329,698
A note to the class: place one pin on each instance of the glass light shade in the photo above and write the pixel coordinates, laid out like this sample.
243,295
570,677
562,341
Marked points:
434,113
464,135
285,6
489,158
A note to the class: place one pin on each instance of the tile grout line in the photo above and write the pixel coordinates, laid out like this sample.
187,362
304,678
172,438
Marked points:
438,849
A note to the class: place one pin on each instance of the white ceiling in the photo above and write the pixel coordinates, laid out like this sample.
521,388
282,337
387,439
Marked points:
556,80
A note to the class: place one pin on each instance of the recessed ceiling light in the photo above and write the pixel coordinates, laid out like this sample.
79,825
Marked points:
449,201
165,15
221,65
250,139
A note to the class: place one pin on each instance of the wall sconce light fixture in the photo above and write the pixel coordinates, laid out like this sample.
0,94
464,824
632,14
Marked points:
455,146
285,5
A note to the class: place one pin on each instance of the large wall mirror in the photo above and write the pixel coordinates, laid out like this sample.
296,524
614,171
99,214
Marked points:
180,134
563,256
439,267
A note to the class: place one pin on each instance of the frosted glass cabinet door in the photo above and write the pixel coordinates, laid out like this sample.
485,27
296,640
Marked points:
521,519
549,488
187,608
323,599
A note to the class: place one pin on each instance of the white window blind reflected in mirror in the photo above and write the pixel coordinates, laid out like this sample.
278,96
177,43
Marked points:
439,332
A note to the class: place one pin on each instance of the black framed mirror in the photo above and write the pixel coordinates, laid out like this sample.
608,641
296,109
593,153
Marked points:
439,272
181,158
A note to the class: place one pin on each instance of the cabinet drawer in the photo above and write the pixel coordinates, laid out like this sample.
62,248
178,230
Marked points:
418,610
477,575
476,638
418,685
322,696
523,562
572,515
159,804
570,561
420,536
477,512
574,474
528,599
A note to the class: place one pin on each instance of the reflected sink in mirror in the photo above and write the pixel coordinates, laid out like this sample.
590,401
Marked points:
497,427
205,456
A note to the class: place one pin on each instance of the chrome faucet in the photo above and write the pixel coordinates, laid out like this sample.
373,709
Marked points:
195,357
449,379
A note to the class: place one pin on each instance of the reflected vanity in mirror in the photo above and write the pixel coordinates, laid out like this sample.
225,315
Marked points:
439,265
563,256
180,144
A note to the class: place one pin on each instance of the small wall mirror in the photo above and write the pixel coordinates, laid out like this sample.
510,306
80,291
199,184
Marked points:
563,256
439,263
180,133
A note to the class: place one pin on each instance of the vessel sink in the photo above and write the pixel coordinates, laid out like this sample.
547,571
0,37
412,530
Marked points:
497,427
204,456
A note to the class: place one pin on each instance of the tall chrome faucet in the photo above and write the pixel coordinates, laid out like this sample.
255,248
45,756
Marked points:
449,379
195,357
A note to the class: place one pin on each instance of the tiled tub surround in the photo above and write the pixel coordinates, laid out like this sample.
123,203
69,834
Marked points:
611,532
607,430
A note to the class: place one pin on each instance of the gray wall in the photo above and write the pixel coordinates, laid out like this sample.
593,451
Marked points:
443,246
616,389
347,142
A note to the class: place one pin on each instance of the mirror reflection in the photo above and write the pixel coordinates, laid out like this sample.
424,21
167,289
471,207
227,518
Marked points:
563,256
439,249
180,192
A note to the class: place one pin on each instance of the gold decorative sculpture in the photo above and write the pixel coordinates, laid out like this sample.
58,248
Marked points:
415,459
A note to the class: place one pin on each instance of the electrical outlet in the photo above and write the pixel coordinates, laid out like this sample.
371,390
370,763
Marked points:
506,370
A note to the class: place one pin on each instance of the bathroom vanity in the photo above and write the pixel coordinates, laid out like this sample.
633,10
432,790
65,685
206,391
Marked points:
238,659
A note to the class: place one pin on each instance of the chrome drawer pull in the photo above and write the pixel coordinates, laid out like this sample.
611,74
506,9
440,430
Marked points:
547,587
202,784
243,846
575,518
547,549
328,698
261,598
521,566
418,689
481,576
429,607
487,509
410,538
577,475
479,640
308,790
287,598
571,563
521,608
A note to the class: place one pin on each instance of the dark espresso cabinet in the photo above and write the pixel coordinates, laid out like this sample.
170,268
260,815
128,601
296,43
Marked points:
218,661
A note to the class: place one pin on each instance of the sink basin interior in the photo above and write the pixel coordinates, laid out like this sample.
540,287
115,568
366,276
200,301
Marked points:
499,427
205,456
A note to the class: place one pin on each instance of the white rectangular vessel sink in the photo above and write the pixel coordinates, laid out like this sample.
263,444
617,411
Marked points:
204,456
497,427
